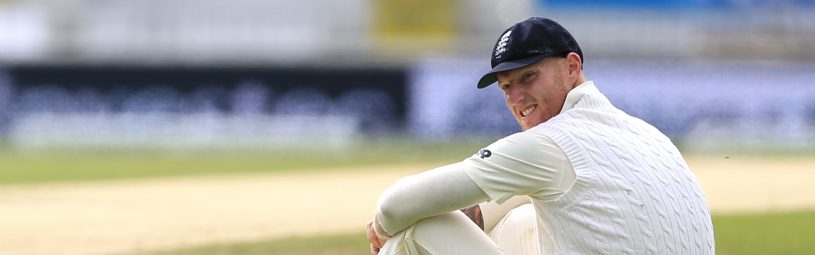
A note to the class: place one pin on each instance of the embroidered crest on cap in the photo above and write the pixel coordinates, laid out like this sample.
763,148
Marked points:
502,44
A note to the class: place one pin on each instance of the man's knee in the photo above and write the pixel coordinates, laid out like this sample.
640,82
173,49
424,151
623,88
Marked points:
451,233
517,232
453,223
429,232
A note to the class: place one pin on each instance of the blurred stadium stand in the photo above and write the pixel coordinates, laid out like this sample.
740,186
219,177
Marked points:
190,73
178,107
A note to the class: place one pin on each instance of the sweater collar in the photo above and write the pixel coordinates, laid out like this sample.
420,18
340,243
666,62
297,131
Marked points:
577,93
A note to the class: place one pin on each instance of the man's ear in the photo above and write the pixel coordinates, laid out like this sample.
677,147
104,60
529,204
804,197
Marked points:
575,62
575,67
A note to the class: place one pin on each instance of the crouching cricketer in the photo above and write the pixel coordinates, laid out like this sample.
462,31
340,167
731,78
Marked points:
582,178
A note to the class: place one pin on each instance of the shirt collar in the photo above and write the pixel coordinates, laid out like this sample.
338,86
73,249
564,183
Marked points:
577,93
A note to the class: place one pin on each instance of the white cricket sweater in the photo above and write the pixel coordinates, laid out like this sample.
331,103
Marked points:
634,193
602,182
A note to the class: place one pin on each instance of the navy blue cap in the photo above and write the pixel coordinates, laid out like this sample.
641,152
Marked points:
526,43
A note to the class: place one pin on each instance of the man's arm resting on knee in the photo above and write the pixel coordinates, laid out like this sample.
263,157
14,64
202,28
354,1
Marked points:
431,193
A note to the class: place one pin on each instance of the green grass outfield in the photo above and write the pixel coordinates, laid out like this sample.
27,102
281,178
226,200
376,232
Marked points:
775,233
92,165
99,164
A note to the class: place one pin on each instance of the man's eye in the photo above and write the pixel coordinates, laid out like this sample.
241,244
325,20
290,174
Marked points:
528,75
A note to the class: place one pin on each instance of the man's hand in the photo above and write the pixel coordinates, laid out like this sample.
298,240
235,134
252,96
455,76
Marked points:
474,213
376,238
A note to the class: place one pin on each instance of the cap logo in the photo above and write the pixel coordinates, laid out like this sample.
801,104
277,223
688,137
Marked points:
502,44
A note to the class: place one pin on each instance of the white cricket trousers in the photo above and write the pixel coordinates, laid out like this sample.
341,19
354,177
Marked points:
453,233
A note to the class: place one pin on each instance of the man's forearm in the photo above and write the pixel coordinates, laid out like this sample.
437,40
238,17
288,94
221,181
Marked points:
444,189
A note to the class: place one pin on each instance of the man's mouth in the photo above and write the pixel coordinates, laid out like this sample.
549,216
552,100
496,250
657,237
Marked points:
529,110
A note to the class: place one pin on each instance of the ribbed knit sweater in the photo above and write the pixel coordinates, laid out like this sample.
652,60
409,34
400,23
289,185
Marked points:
634,193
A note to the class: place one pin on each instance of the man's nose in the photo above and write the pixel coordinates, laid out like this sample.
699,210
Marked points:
515,96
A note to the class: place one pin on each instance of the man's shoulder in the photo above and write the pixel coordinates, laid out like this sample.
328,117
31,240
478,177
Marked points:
530,139
559,119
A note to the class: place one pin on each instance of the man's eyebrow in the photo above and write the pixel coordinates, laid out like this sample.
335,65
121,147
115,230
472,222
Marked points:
508,79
